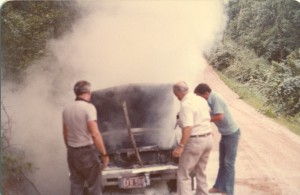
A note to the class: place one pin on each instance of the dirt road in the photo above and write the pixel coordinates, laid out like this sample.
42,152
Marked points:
268,161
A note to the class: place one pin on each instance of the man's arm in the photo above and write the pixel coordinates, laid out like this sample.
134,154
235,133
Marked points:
186,133
65,133
98,141
217,117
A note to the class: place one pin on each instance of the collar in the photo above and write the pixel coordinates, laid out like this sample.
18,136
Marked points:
81,99
186,96
212,93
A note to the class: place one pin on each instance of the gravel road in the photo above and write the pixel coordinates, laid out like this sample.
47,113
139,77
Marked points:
268,161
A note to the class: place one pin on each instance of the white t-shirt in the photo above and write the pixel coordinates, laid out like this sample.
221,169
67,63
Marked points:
75,117
195,112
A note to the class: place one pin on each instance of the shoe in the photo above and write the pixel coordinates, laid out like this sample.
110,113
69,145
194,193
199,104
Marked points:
214,190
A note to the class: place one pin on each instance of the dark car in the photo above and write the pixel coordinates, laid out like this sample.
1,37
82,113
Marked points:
137,124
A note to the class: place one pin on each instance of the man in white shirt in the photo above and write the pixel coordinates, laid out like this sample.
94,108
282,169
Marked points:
196,141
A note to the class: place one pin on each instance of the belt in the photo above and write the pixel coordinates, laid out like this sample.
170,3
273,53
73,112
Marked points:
203,135
81,147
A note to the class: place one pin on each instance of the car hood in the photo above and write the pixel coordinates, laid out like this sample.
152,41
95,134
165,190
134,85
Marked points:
151,111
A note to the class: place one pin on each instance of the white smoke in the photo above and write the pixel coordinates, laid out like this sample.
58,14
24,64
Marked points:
141,41
116,42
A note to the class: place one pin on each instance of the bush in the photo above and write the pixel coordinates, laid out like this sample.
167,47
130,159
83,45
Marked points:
286,96
278,82
14,163
14,170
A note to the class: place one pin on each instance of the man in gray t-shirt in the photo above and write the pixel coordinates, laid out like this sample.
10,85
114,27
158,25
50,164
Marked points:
81,136
230,132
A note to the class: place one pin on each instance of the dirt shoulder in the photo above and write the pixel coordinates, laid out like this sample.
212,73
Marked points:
268,155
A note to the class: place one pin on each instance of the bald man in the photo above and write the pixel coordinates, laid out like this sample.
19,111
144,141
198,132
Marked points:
196,141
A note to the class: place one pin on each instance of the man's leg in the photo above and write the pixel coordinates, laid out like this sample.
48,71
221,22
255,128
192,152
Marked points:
201,166
77,184
94,180
231,143
92,173
220,180
76,179
186,165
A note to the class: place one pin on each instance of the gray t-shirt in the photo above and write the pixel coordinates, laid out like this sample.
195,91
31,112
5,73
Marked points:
75,117
218,105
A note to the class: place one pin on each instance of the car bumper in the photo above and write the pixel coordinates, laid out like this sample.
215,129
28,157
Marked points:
112,175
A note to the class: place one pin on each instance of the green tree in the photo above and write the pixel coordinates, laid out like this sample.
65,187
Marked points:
260,49
15,166
25,28
284,85
270,27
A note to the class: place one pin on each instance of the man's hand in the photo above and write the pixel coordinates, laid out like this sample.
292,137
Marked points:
105,161
186,133
177,151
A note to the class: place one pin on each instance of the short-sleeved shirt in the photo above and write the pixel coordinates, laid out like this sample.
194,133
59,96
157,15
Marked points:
218,105
75,117
195,112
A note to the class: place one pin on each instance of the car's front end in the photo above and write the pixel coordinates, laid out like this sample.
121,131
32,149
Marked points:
140,148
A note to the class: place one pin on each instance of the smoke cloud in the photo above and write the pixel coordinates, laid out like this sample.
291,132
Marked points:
115,43
141,41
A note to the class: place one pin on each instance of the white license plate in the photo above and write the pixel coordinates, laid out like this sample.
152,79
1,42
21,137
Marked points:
132,182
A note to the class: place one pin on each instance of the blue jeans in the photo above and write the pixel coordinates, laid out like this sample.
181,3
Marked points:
227,155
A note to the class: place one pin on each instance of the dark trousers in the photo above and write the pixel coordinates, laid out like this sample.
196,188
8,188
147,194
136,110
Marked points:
85,168
226,174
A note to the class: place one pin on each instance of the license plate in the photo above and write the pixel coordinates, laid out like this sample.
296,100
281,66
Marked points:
132,182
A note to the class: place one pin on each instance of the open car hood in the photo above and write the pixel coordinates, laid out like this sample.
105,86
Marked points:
151,113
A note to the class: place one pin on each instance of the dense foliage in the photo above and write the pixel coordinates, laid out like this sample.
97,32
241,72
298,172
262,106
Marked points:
269,27
261,49
25,28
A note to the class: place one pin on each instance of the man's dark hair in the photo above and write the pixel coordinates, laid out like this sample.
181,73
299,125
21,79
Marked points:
202,88
82,87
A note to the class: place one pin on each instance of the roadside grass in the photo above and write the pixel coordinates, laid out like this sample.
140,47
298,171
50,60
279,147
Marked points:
254,98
